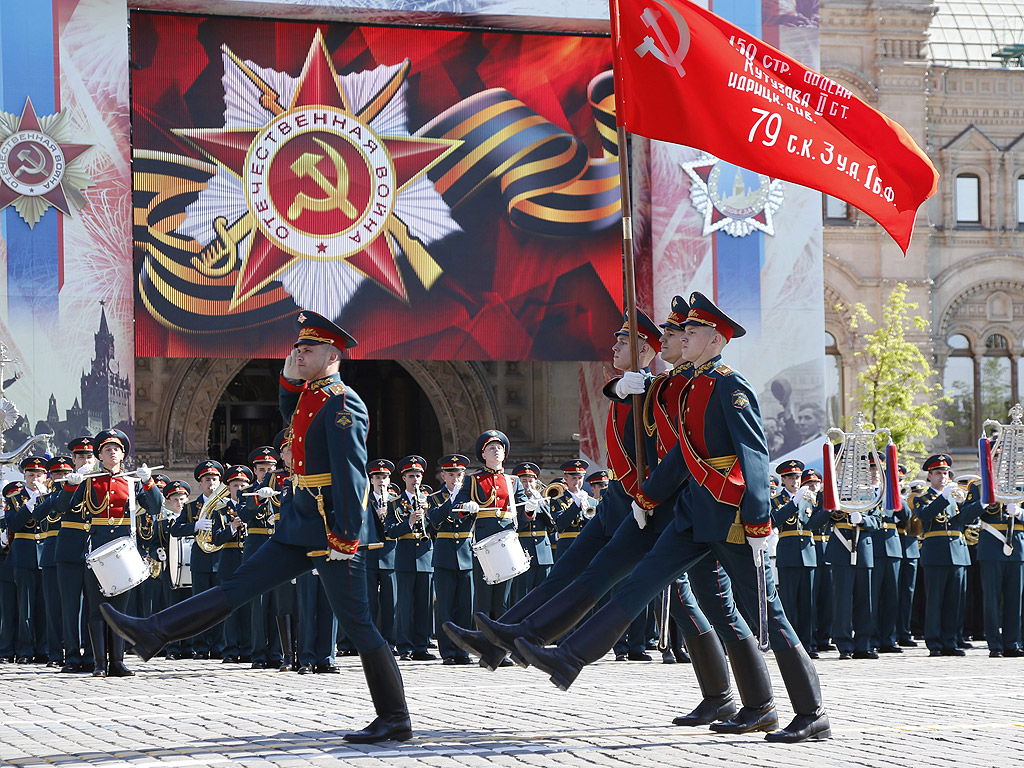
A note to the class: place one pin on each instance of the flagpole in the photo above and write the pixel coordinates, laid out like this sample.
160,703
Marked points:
629,279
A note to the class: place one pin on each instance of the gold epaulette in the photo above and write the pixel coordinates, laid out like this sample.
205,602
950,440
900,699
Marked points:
724,369
335,389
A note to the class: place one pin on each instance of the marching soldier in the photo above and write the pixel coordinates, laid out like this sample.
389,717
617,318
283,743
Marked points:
574,507
944,556
414,562
796,515
230,533
851,555
535,531
27,528
109,499
611,556
1001,555
203,565
72,541
492,499
453,556
322,526
257,512
380,551
721,511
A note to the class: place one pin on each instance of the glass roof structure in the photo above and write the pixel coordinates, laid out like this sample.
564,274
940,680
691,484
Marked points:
966,33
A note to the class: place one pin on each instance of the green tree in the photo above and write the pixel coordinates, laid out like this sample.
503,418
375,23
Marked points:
897,388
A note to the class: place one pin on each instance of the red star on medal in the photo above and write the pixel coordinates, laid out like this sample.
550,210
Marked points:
375,255
29,164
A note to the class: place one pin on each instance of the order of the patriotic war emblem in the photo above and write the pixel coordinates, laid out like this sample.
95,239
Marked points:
40,167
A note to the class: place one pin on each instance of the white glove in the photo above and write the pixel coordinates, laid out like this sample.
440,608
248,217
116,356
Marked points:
73,479
144,473
1014,511
799,494
531,505
336,555
856,518
947,490
631,383
3,538
469,508
266,492
204,524
39,487
640,515
291,368
759,548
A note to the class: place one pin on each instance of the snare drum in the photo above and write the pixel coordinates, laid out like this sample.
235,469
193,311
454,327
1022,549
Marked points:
117,566
501,556
179,562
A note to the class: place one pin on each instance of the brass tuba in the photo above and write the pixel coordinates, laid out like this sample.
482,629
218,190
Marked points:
215,502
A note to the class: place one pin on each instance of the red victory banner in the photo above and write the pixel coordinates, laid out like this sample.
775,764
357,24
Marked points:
686,76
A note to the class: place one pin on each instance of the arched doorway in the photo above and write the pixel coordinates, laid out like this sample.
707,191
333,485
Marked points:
402,419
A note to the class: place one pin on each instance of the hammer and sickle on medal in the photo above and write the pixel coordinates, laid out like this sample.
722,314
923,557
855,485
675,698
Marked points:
336,195
27,156
661,50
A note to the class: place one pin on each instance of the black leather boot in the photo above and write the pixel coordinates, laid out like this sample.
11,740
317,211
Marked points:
388,694
712,670
115,656
544,625
284,630
476,643
590,642
801,678
177,622
99,648
755,686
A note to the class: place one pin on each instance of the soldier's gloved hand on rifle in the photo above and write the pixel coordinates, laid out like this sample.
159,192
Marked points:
469,508
630,383
204,524
266,492
759,548
640,515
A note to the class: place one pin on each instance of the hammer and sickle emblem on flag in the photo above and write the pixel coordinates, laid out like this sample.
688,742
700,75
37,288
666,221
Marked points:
336,195
661,50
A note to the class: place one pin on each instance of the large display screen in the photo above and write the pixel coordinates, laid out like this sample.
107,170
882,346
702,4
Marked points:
441,194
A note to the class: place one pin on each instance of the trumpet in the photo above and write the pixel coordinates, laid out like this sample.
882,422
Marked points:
958,494
554,490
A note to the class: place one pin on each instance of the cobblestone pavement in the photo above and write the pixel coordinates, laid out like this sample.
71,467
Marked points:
903,711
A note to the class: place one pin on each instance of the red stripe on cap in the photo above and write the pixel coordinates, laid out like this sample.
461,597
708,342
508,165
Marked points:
713,321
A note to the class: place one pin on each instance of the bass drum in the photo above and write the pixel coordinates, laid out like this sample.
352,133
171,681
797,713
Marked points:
179,562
